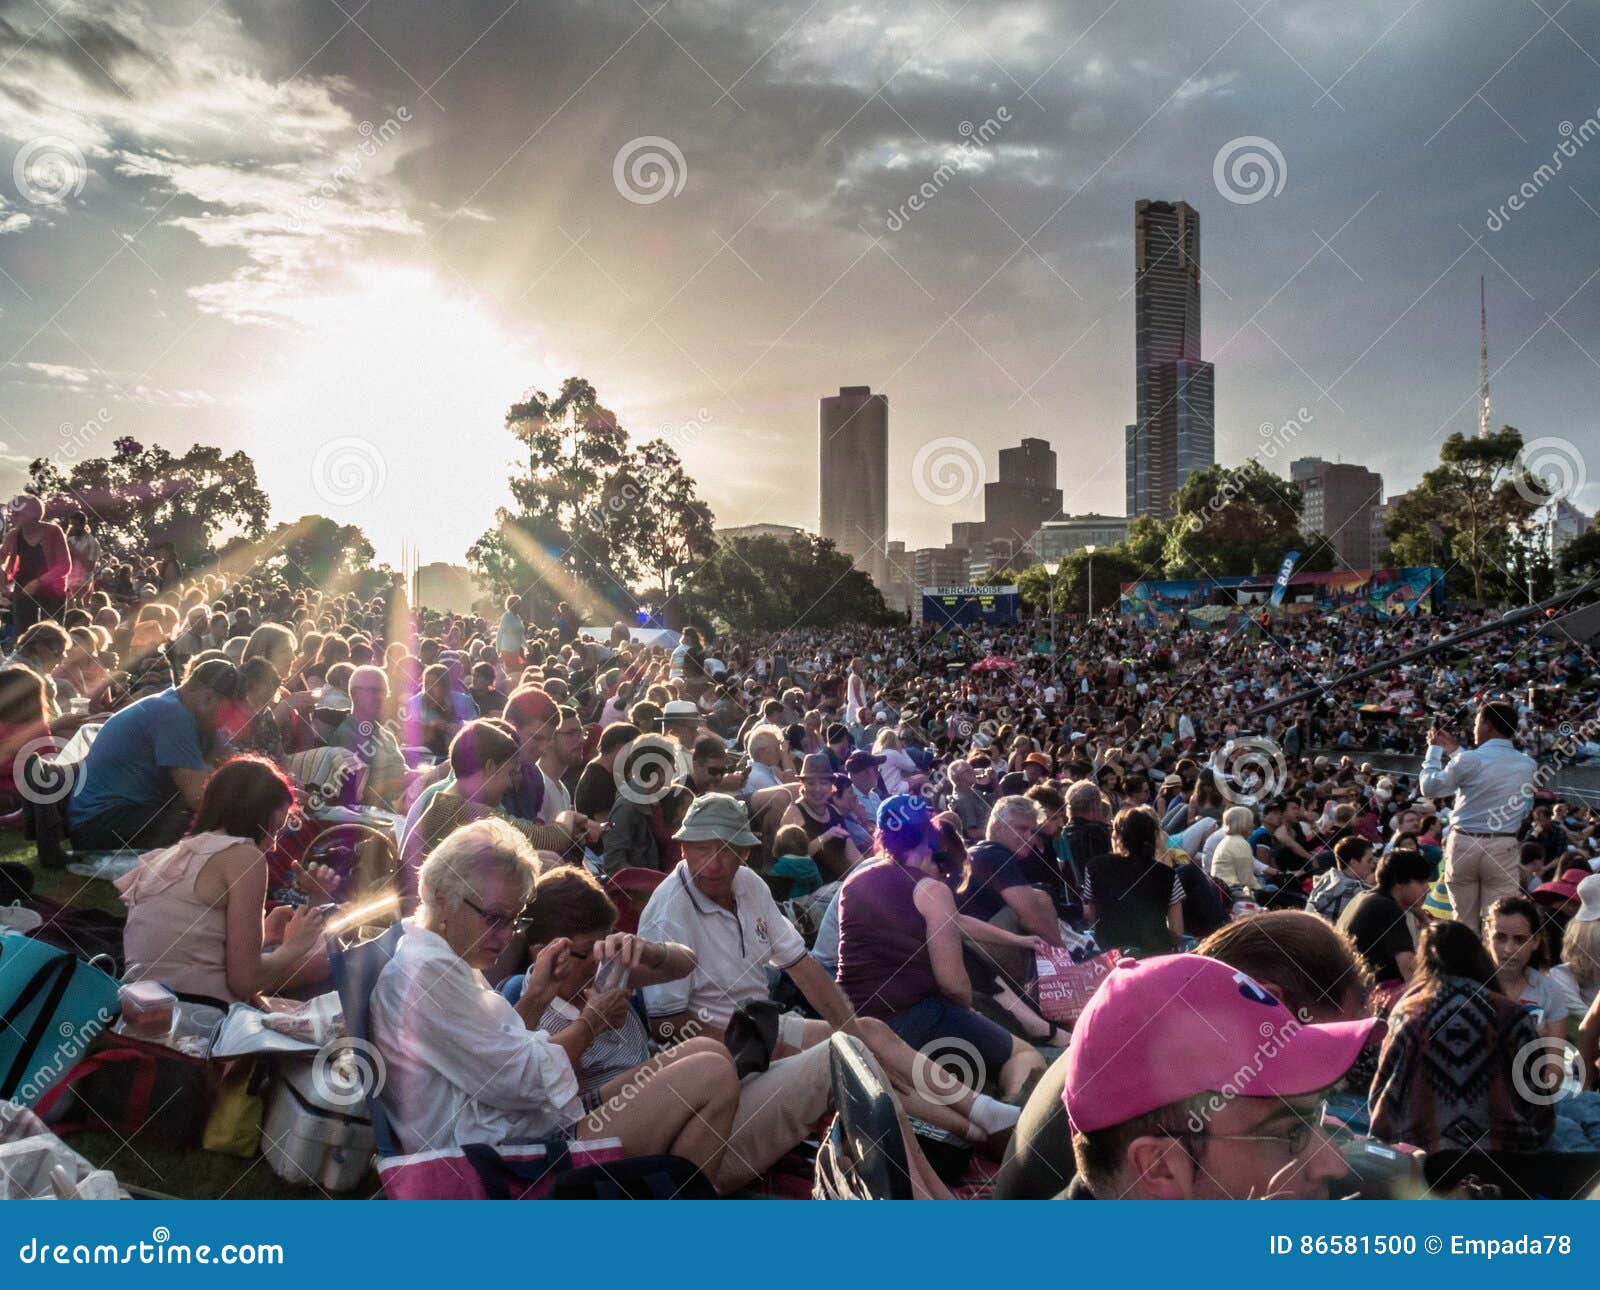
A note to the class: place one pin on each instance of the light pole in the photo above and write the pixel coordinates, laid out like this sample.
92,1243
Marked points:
1089,551
1050,568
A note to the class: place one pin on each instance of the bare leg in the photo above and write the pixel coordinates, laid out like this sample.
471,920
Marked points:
1025,1062
681,1106
1038,1030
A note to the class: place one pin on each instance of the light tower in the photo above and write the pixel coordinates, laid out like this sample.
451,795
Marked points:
1483,362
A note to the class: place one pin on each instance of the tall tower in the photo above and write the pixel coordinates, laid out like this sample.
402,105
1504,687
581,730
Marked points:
853,430
1174,433
1483,361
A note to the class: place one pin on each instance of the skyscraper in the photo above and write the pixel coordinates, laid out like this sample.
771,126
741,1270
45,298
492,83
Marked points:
1174,432
853,430
1025,495
1340,500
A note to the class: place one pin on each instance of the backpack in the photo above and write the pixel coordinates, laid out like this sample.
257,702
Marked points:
52,1007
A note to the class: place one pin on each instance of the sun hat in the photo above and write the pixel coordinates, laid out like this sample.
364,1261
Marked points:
1589,895
680,710
1566,888
1437,903
817,765
716,817
1161,1030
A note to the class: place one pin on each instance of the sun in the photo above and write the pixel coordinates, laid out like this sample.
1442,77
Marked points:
409,375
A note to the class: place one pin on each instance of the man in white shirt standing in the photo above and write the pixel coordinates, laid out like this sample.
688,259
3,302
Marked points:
1493,787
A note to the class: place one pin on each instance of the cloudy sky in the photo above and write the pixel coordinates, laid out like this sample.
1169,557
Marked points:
346,234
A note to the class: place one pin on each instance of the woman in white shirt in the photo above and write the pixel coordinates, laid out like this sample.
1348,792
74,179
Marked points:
898,768
462,1065
1579,970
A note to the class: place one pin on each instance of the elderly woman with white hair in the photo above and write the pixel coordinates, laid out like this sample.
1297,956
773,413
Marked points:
465,1066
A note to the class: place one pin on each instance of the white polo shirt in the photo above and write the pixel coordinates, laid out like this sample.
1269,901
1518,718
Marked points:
734,948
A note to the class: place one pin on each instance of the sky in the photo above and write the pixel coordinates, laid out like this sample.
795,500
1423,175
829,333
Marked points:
345,236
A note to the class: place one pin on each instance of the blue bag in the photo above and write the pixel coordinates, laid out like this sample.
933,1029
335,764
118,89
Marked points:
52,1007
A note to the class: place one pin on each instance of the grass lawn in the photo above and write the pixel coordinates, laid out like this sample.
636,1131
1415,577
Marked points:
193,1174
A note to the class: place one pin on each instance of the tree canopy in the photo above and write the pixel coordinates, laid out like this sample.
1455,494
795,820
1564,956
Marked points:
139,498
770,584
594,516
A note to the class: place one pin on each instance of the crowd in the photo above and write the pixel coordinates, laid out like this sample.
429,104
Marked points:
644,884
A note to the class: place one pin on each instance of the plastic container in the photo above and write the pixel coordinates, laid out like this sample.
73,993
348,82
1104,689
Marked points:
148,1009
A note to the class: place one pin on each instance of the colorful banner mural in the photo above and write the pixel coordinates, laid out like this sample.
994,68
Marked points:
1213,602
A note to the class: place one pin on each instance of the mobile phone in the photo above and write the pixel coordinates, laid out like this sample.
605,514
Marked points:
611,975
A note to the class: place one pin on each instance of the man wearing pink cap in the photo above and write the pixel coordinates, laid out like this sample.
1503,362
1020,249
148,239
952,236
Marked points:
1188,1081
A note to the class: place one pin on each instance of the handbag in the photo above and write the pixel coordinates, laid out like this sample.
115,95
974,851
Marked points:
1066,985
137,1089
234,1126
52,1008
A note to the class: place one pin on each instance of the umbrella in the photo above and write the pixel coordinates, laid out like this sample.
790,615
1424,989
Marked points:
994,663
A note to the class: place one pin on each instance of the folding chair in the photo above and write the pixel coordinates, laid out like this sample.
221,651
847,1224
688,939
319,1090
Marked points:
864,1157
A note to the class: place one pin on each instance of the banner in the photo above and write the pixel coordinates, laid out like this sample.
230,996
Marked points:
1282,584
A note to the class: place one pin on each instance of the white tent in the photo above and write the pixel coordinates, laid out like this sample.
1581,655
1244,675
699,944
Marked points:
640,635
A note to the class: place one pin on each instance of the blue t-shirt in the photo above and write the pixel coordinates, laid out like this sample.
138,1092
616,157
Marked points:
130,761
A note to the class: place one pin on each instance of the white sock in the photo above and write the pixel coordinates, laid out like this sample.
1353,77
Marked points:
990,1117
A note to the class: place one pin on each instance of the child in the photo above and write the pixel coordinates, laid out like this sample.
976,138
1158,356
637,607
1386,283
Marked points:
793,863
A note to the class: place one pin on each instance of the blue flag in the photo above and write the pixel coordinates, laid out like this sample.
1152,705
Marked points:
1282,584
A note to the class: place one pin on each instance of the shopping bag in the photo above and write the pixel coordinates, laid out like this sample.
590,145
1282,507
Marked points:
1065,985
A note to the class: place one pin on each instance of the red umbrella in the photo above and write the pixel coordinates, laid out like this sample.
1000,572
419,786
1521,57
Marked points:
994,663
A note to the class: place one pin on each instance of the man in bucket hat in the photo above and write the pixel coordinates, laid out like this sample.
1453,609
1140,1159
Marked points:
723,911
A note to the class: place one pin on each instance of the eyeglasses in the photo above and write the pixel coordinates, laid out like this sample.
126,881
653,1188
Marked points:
496,922
1297,1138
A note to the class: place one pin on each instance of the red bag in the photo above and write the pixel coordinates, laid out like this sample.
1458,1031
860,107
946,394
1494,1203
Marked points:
1065,987
481,1172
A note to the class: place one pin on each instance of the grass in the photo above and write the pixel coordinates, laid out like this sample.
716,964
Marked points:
201,1175
192,1174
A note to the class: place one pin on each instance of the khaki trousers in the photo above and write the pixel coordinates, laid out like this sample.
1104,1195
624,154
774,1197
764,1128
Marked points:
1478,871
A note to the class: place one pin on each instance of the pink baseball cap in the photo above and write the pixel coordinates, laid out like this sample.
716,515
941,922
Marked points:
1160,1030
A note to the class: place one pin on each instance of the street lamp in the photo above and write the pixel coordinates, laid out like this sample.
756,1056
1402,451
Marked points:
1050,568
1089,551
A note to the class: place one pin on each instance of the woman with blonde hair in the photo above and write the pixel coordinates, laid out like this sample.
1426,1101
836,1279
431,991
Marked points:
1579,970
898,769
1233,862
464,1065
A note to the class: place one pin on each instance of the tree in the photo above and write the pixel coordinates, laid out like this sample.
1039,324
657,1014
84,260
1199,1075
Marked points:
660,522
1470,509
771,584
592,516
138,497
1580,558
315,551
1236,520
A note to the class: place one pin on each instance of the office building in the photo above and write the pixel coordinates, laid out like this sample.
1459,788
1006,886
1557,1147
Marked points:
853,441
1057,539
783,531
1175,389
1339,500
1025,495
939,566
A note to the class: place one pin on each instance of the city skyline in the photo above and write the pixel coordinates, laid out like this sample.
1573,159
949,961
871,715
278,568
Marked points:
286,229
